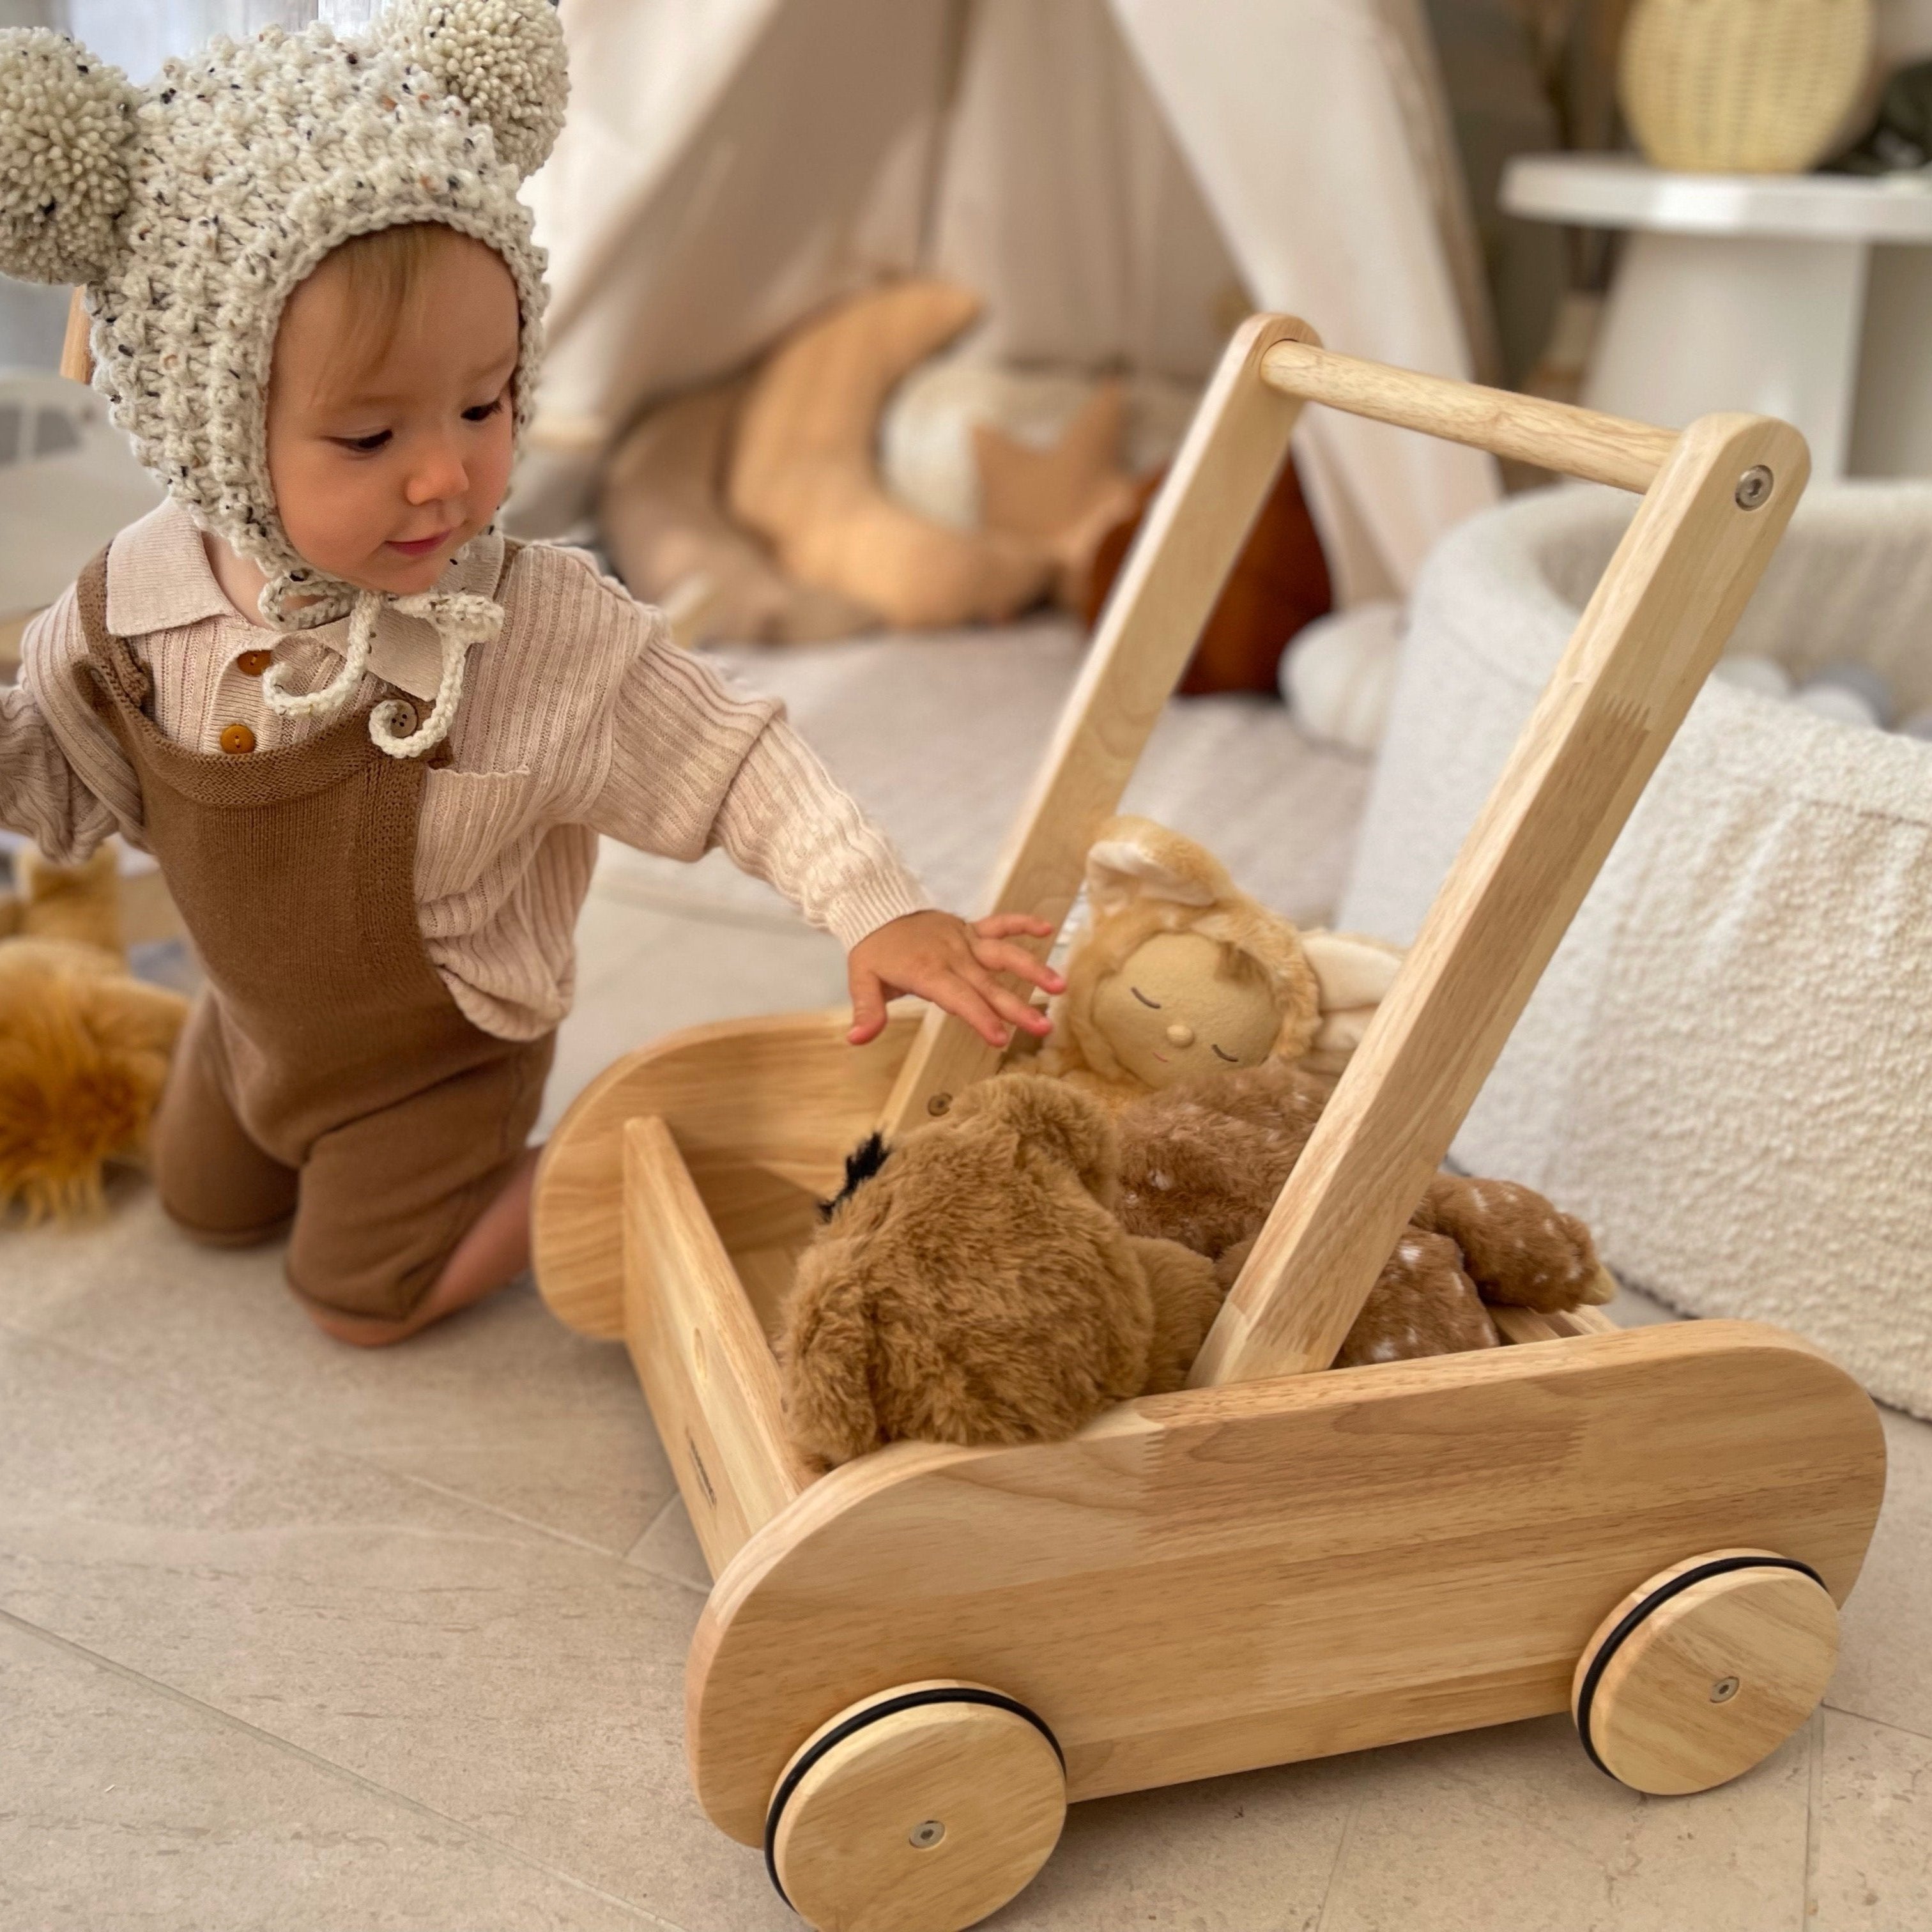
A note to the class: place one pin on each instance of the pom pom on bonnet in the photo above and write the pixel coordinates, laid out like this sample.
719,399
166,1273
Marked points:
190,209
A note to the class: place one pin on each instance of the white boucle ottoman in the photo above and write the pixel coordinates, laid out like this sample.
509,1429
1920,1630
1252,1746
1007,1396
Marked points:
1727,1069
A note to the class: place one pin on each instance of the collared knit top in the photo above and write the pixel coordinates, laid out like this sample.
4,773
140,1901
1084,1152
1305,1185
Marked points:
580,717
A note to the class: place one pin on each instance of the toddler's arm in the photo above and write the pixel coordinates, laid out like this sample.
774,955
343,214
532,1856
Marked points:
786,819
693,764
41,793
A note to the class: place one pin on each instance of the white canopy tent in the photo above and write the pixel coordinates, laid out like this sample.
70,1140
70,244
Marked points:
1116,178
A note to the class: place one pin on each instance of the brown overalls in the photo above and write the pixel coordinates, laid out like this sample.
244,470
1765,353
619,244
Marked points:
325,1074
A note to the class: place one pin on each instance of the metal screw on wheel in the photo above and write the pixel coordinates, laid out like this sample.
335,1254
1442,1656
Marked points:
921,1809
1704,1669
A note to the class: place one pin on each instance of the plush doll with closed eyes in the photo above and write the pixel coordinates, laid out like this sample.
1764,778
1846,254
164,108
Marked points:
1180,973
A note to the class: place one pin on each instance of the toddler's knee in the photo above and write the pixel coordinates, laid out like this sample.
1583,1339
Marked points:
377,1288
219,1211
213,1182
248,1234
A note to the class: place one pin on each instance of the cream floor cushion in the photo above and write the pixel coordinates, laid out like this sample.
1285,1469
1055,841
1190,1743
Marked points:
1727,1069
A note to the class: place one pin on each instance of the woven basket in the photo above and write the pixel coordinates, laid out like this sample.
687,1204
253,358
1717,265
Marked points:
1741,86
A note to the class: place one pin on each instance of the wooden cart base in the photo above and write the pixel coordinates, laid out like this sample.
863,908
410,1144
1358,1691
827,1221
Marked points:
1200,1582
907,1667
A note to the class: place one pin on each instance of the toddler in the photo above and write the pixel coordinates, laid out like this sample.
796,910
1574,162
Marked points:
371,742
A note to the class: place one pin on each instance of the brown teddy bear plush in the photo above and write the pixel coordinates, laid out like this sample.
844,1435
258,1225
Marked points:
1179,973
1202,1162
973,1285
84,1047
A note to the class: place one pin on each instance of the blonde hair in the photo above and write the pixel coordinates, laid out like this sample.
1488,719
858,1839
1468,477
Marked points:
385,270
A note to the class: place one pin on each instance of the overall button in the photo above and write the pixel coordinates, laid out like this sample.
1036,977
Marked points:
252,664
237,739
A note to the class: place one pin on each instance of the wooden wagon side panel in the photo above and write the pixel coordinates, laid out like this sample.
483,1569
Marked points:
1220,1580
763,1111
700,1351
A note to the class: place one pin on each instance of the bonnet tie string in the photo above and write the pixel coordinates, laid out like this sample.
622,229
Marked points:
324,609
459,618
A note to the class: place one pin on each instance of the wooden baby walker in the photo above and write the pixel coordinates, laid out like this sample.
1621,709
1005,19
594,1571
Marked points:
907,1668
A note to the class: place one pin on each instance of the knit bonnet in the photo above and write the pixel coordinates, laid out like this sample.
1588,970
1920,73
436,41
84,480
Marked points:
190,209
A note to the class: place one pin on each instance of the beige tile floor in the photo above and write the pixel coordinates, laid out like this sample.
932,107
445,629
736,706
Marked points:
292,1637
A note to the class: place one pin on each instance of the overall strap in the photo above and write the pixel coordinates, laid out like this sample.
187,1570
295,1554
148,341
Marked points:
110,670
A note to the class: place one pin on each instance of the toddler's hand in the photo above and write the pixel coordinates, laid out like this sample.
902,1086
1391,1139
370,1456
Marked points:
942,959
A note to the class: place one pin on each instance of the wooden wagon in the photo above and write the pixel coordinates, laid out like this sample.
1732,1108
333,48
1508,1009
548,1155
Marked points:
908,1668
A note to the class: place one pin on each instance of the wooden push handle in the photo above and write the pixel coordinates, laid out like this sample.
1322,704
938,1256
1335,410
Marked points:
1552,435
1193,533
1650,634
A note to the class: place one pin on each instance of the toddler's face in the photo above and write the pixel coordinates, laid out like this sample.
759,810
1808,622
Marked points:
382,472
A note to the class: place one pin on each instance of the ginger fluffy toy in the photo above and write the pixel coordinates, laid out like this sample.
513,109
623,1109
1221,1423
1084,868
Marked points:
84,1046
974,1285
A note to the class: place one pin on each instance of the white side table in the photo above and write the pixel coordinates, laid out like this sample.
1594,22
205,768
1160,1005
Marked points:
1749,291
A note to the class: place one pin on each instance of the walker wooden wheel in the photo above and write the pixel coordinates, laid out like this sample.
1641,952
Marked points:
1703,1671
921,1809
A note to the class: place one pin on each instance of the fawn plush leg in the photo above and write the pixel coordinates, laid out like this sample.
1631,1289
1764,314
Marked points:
1519,1248
1422,1304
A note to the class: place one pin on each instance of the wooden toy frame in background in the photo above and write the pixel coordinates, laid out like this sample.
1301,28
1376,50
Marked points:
907,1667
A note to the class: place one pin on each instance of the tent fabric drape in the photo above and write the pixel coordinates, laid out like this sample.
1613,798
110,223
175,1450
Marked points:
1114,177
1064,199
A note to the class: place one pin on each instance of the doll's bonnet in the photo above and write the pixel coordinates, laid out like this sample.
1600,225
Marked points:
189,209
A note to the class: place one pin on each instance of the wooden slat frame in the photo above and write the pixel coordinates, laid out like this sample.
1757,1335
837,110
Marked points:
707,1370
1644,644
1528,1325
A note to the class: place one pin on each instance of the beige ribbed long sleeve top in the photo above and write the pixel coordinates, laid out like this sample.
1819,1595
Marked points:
581,718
